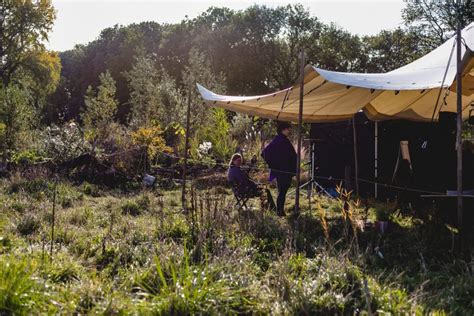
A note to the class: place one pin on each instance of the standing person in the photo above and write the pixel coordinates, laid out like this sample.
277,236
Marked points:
280,155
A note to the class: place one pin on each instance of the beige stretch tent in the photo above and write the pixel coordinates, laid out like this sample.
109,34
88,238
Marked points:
409,92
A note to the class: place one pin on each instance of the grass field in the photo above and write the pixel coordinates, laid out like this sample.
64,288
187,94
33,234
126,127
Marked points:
139,253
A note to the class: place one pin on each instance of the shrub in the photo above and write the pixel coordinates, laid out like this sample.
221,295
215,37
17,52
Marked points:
62,143
152,139
28,224
26,157
90,189
18,205
136,206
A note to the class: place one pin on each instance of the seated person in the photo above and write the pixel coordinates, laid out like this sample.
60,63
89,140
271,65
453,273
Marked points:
242,184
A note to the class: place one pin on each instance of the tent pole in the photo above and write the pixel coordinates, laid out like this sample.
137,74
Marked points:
186,144
300,122
459,125
356,163
376,158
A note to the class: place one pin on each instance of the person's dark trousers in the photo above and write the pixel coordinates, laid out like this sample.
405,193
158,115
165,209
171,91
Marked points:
283,184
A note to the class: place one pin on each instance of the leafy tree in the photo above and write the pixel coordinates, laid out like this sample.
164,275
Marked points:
299,30
436,20
199,71
40,74
24,28
338,50
171,101
15,116
389,50
101,107
143,81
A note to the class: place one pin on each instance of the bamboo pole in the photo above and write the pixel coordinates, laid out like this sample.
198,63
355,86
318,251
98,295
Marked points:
300,123
186,144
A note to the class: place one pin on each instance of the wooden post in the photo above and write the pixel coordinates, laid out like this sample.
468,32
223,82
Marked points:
459,125
186,144
53,218
356,162
300,123
376,159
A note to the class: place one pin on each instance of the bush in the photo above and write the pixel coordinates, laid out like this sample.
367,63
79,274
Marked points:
136,206
27,157
63,143
90,189
28,224
152,139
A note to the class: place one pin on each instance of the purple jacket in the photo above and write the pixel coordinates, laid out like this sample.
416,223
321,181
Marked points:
236,174
280,155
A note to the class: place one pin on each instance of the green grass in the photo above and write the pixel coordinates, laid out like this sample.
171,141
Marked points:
122,253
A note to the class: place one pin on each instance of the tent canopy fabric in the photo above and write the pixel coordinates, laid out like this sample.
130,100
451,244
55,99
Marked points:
410,92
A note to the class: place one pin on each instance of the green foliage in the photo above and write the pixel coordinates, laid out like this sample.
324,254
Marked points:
183,289
199,70
28,224
62,143
19,291
136,206
143,80
25,25
436,21
218,133
101,108
90,189
236,263
152,139
393,49
16,115
26,157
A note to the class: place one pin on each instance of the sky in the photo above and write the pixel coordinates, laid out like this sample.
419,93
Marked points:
80,21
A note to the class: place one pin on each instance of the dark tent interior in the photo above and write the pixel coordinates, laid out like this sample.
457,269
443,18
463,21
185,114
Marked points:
431,150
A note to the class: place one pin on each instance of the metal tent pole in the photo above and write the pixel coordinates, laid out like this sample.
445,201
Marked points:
186,144
300,122
459,123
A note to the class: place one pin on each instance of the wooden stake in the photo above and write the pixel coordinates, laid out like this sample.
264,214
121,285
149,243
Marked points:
186,144
376,160
53,219
300,123
356,162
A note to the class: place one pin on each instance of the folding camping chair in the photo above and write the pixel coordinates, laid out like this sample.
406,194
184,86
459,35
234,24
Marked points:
240,198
